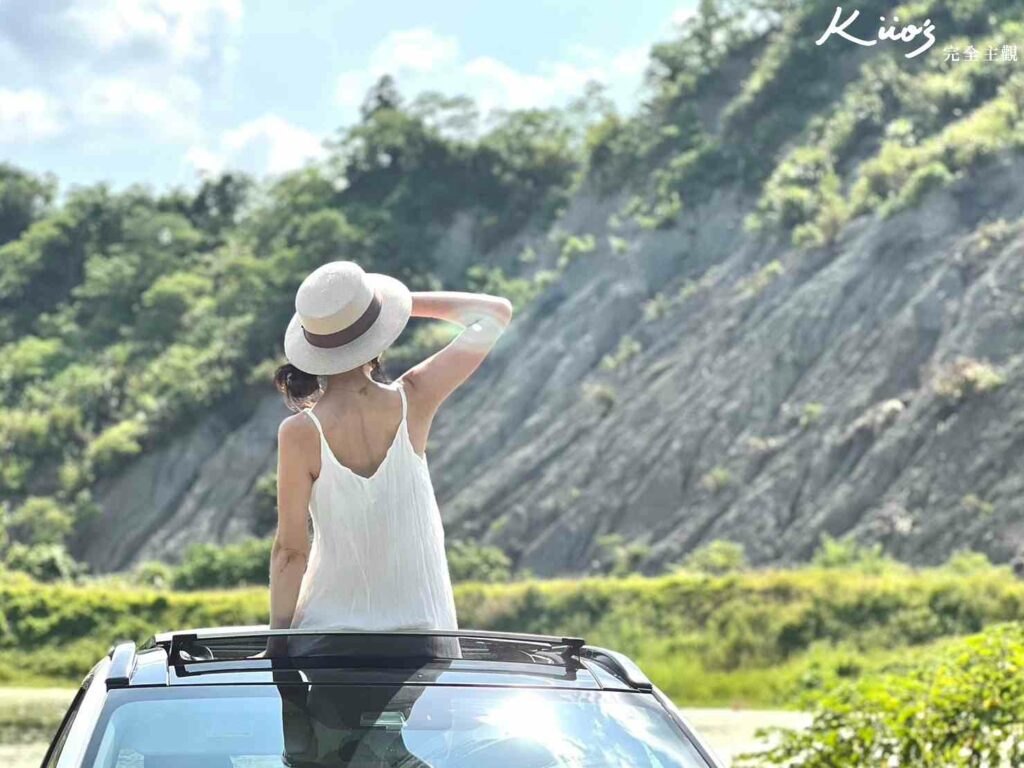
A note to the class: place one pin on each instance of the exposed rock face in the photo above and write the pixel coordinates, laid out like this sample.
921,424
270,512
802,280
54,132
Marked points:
782,395
198,488
777,394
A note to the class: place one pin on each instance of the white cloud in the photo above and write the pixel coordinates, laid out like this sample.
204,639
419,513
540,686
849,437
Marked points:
108,67
268,144
183,30
631,61
413,50
170,111
497,85
27,115
421,59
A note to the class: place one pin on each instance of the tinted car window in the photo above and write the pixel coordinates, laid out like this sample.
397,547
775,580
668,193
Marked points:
328,726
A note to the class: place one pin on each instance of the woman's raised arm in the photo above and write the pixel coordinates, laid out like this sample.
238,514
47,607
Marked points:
483,319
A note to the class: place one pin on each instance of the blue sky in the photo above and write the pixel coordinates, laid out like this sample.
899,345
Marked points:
162,91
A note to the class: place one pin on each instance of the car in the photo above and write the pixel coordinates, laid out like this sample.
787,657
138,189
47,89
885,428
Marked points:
250,697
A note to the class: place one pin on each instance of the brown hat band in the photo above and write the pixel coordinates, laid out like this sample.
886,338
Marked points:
349,333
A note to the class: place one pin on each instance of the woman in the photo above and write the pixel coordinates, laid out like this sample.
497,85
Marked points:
355,460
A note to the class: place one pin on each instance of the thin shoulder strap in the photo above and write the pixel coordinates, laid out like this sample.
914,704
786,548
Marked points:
401,391
316,422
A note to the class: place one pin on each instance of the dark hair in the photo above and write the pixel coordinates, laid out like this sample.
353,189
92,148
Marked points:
297,386
300,388
377,372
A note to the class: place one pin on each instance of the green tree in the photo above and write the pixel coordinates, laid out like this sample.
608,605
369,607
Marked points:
24,199
717,558
40,520
43,562
469,561
209,566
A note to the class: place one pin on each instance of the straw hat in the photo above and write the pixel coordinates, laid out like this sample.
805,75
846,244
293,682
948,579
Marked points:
344,317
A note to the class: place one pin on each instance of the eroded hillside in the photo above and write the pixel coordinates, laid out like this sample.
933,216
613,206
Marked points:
782,300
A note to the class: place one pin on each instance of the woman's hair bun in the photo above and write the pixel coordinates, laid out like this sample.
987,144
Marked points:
297,386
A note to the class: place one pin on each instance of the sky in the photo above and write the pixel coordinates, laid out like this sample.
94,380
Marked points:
164,91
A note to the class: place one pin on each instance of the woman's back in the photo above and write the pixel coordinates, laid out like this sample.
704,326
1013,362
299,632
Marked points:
377,559
355,463
361,425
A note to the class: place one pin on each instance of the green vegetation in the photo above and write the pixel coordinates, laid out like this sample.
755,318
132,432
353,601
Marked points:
618,557
627,349
965,377
770,638
959,704
765,276
716,479
469,561
602,395
125,316
207,566
716,559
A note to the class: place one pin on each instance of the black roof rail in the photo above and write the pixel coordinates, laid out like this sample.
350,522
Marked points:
186,640
122,664
207,633
620,665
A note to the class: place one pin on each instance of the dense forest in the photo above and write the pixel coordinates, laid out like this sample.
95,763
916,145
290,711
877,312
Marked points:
764,186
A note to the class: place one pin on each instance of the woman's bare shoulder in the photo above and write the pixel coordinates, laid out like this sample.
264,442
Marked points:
296,431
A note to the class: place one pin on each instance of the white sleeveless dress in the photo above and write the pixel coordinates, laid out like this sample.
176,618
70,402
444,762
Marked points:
377,560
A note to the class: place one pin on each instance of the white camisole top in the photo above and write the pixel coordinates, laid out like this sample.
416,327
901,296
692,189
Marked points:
377,560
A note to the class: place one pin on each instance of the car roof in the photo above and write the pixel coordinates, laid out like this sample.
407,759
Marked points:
222,656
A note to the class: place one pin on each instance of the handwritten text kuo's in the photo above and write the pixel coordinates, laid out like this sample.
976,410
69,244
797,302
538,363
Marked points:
907,34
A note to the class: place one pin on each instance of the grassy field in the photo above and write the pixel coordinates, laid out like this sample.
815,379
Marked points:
754,640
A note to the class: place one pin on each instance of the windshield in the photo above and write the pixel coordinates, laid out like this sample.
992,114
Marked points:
301,726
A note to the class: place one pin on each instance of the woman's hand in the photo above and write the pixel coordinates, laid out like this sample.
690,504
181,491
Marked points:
277,646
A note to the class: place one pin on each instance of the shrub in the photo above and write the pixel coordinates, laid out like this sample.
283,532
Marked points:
717,558
265,503
753,285
716,480
602,395
618,557
166,303
977,505
961,706
208,566
115,444
965,377
811,414
574,247
966,562
627,349
45,562
921,181
153,574
849,553
656,307
29,358
469,561
40,520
